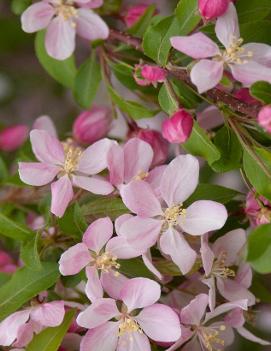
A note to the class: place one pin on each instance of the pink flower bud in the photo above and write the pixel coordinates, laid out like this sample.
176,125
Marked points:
13,137
147,74
178,127
133,14
92,125
244,95
211,9
7,264
264,118
257,210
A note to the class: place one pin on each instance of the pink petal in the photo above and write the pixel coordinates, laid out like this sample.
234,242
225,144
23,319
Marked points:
227,27
113,284
10,326
138,157
94,159
60,38
140,292
211,283
25,335
206,74
249,336
102,338
120,220
244,275
99,312
90,26
173,243
98,233
175,190
232,291
120,247
193,313
235,318
261,53
37,17
45,123
251,72
46,147
203,216
74,259
133,341
116,164
165,329
62,194
154,179
197,45
37,174
226,307
139,197
207,255
147,259
186,335
94,288
96,185
49,314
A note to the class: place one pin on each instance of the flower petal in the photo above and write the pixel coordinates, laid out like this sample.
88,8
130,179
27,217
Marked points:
62,194
206,74
244,275
120,220
147,259
251,72
197,45
203,216
154,179
74,259
94,288
173,243
60,38
37,174
90,26
37,17
134,341
226,307
227,27
116,164
98,233
140,292
139,197
99,312
207,255
165,329
45,123
211,283
176,190
46,147
249,336
193,313
49,314
102,338
96,185
10,326
232,291
120,247
113,284
261,53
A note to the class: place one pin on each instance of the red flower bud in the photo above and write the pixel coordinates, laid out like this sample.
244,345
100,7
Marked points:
211,9
178,127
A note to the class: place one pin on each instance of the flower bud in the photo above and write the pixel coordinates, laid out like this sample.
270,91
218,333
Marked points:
264,118
92,125
147,74
211,9
13,137
257,210
178,127
244,95
133,14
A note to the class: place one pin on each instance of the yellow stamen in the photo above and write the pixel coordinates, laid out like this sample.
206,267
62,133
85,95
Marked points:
235,53
220,270
129,325
72,156
172,214
209,336
106,263
141,175
66,9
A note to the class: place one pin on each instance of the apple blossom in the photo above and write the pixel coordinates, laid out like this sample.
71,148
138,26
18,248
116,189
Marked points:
133,14
178,127
210,9
258,210
146,75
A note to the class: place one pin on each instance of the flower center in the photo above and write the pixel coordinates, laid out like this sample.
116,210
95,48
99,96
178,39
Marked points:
129,325
72,156
106,263
235,53
66,9
141,175
220,270
172,214
209,337
264,215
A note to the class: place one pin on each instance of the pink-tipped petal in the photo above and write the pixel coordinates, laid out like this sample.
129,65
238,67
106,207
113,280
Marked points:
176,190
37,174
62,194
116,164
206,74
96,185
37,17
10,326
160,323
251,72
227,27
45,123
102,338
60,38
49,314
140,292
113,283
74,259
134,341
202,217
249,336
90,26
94,288
139,197
193,313
47,148
197,45
99,312
98,233
173,243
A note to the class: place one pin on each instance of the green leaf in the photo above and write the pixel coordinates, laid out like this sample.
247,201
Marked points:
29,253
79,219
256,32
14,230
261,91
104,206
230,149
259,249
18,6
167,100
73,222
24,285
199,144
3,170
187,97
188,15
62,71
87,81
212,192
124,73
249,10
50,339
134,267
132,108
139,28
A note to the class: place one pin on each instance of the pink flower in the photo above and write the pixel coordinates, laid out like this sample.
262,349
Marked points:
45,123
211,9
70,164
11,138
264,118
147,74
7,264
258,210
218,259
248,63
164,218
99,253
177,128
18,328
122,329
133,14
92,125
63,20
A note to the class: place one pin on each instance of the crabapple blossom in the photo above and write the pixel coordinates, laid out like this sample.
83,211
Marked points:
112,328
146,75
258,210
248,63
133,14
264,118
72,165
11,138
63,20
178,127
210,9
